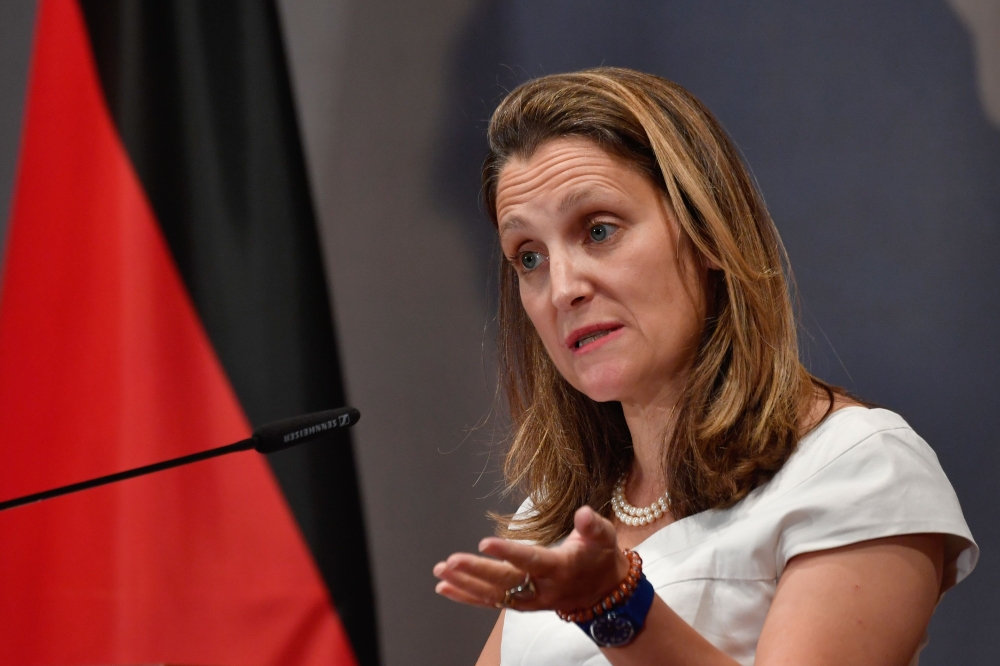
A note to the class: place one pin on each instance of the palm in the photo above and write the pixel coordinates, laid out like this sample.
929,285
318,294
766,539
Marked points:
575,573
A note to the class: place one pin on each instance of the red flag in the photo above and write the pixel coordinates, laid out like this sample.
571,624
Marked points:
104,365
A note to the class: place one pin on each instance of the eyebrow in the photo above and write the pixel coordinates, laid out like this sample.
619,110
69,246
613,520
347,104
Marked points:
510,224
572,199
575,198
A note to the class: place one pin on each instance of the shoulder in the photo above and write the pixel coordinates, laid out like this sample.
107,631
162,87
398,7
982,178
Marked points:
863,451
864,474
856,431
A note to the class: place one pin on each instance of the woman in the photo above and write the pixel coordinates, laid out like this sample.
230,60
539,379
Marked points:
648,350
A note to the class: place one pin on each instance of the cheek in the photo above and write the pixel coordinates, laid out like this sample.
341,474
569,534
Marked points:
665,297
678,318
543,317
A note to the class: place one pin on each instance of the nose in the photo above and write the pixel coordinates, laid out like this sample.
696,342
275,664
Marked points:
569,282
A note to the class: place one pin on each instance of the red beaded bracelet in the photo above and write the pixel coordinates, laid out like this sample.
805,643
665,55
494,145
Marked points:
617,597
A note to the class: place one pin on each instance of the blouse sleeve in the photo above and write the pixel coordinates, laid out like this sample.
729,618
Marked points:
881,480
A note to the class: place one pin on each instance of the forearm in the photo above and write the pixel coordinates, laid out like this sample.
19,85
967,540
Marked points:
667,639
490,655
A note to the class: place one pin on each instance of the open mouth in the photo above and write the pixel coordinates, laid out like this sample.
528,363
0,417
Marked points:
591,334
590,338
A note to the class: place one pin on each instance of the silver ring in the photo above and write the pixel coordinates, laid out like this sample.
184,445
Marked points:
524,591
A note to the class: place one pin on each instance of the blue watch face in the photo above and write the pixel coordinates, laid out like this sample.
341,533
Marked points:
612,630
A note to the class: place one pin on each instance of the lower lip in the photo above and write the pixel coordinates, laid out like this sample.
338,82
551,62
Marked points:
598,343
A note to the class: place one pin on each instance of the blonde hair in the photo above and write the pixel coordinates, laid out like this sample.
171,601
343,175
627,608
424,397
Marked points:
739,418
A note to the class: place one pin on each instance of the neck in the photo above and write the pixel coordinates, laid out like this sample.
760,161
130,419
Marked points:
650,424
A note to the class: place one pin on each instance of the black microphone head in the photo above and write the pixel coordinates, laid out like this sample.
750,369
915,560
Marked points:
299,429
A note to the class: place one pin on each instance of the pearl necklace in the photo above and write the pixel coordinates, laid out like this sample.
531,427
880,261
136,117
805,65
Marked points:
633,515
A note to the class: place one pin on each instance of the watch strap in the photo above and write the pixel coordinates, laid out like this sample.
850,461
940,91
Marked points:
619,626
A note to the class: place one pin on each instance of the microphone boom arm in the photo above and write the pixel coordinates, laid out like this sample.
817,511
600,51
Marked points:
266,439
242,445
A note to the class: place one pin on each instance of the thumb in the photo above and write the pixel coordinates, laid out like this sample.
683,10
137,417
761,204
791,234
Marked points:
592,526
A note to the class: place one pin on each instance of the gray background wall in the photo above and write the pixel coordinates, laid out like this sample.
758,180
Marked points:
866,123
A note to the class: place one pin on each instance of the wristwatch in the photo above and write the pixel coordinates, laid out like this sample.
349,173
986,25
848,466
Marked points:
621,624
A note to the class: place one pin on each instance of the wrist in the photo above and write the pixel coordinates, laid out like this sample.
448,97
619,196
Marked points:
622,566
613,580
618,595
617,618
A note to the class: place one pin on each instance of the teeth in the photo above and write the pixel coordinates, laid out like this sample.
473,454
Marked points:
590,338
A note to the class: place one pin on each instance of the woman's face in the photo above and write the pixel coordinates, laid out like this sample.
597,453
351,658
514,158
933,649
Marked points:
616,295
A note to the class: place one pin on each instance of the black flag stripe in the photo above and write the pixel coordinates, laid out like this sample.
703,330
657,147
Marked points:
201,97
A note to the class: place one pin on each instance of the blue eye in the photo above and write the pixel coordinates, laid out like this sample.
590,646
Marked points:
530,260
600,232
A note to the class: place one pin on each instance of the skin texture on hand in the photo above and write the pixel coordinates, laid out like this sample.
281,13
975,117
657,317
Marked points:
579,572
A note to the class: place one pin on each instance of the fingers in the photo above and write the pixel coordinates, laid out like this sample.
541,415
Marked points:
449,591
590,530
476,588
496,572
567,575
536,560
475,580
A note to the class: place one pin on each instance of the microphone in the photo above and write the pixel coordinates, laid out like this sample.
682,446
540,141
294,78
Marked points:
265,439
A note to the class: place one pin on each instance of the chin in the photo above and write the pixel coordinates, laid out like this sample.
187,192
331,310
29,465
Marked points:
602,384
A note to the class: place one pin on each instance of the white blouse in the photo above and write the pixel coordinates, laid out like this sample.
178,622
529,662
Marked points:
861,474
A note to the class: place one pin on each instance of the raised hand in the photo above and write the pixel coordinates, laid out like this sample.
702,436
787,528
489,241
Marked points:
575,573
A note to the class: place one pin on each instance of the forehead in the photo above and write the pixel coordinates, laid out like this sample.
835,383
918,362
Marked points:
561,172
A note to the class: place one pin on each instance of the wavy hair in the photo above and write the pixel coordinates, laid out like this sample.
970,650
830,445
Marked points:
746,393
